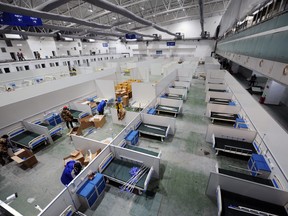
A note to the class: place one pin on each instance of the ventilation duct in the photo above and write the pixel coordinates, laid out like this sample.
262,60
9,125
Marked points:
124,12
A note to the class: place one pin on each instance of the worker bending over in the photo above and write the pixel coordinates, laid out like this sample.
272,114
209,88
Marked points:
67,117
72,169
101,106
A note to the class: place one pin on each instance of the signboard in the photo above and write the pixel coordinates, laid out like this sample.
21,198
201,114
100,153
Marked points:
19,20
171,43
159,52
105,44
132,36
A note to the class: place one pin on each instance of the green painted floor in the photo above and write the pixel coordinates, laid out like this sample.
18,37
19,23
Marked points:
185,166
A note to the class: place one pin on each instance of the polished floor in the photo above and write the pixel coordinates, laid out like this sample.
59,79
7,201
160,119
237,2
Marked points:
278,112
186,162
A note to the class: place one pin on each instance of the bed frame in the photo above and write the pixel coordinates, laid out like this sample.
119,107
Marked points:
32,143
168,110
234,149
53,131
152,134
227,117
252,206
106,161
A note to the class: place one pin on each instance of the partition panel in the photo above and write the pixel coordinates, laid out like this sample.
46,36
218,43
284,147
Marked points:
38,129
246,188
224,95
229,133
221,109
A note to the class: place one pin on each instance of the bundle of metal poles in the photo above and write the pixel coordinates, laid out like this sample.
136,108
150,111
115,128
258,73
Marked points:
131,183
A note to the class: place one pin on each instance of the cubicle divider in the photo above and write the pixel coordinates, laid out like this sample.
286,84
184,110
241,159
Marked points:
84,144
221,109
184,79
245,188
223,95
216,87
216,74
147,160
38,129
182,84
229,133
143,93
177,92
170,102
105,88
156,68
164,82
160,120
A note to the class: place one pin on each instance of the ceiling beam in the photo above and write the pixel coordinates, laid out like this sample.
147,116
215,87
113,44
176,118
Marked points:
50,5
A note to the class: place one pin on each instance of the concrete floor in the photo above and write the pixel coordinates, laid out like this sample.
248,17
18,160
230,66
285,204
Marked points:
186,162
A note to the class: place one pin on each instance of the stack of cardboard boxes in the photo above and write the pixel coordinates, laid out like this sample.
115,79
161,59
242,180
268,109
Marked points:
124,90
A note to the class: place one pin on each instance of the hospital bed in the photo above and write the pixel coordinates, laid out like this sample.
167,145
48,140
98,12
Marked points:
173,96
233,146
232,204
220,101
226,117
117,170
21,136
53,130
168,109
124,144
153,130
78,114
246,177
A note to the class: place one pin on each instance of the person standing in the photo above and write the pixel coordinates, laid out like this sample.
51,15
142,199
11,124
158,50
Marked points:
252,80
19,56
4,149
101,106
71,170
67,117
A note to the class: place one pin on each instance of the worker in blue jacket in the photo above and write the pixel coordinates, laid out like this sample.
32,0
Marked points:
72,169
101,106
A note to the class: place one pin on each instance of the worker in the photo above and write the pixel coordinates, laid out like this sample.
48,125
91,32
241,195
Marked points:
120,110
71,170
101,106
67,117
4,149
252,80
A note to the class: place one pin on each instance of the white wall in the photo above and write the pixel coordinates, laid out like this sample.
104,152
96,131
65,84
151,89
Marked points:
44,45
190,29
63,46
16,46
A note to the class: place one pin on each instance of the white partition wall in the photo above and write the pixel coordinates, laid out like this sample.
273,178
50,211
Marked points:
155,68
143,93
105,88
229,133
177,92
160,120
84,144
38,129
170,102
246,188
164,82
221,109
223,95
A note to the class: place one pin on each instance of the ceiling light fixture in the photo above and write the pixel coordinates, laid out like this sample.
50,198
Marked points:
114,18
129,23
90,10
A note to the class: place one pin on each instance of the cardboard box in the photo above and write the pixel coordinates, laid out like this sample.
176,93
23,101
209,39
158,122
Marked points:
99,121
87,157
86,123
125,100
76,130
75,155
25,157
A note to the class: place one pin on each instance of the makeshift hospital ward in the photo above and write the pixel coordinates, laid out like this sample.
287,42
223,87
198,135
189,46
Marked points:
137,108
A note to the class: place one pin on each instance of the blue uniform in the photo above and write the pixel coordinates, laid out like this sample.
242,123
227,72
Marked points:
100,107
67,177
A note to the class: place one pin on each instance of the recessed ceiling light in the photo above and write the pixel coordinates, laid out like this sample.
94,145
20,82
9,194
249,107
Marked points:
90,10
183,9
114,18
142,8
129,23
154,15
